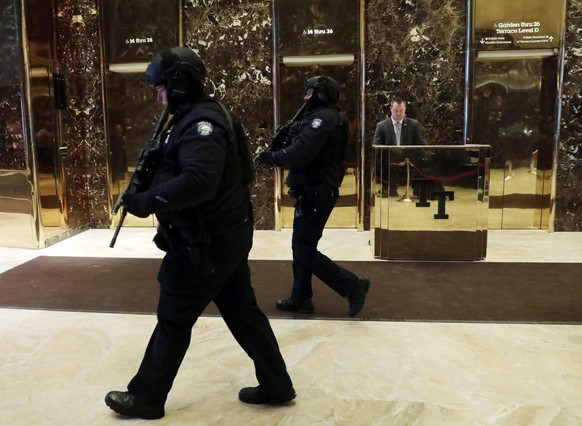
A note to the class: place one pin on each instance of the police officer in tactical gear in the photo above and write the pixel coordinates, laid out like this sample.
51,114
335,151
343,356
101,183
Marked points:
315,155
200,196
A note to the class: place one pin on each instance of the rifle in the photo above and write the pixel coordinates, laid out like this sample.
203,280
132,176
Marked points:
143,171
278,140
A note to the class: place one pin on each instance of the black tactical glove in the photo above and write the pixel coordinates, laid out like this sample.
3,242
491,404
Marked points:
265,157
135,204
268,157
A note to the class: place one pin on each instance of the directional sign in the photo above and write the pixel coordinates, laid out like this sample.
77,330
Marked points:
519,25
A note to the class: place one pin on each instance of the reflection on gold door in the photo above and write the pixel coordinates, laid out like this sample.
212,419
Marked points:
312,39
134,32
514,111
344,215
46,85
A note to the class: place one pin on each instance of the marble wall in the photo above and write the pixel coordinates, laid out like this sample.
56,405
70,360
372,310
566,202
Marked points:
568,216
416,51
412,48
235,40
86,175
12,150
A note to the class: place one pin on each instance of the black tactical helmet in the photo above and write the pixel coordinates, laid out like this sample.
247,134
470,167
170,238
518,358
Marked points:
325,90
181,70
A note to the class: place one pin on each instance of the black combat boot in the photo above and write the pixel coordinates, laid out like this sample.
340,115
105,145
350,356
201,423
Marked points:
357,296
128,405
258,396
303,307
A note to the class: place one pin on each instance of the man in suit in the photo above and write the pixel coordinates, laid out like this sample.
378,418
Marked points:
397,130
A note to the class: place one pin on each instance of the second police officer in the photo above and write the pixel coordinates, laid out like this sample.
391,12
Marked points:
315,154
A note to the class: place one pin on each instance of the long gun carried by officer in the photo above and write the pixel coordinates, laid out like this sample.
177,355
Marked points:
146,166
279,139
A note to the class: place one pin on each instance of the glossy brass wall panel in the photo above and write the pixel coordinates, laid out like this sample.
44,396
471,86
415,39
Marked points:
439,211
29,204
17,222
16,214
45,116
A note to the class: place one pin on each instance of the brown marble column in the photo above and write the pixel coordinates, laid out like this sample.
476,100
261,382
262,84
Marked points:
86,177
235,41
568,207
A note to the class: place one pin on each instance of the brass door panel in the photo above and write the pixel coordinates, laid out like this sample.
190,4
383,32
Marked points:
514,110
311,39
46,102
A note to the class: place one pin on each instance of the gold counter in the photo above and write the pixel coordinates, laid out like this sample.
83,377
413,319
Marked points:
430,202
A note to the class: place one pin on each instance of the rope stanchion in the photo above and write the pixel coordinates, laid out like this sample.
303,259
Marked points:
533,163
408,164
406,197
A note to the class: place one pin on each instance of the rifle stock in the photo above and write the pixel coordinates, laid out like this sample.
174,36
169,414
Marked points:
142,171
278,140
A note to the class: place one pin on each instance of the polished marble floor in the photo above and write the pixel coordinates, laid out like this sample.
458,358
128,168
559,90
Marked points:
55,367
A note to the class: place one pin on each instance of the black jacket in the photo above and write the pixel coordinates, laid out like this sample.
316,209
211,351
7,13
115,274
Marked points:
411,133
316,152
199,169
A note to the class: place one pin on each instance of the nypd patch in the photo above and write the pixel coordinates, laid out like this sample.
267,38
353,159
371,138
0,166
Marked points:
316,123
204,128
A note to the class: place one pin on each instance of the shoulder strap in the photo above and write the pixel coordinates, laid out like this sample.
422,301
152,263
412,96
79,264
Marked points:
239,145
231,132
344,131
335,149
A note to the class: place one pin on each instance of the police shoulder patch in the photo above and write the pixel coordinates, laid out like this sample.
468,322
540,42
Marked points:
204,128
316,123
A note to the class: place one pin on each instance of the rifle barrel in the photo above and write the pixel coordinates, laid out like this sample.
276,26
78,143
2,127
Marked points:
276,135
161,122
157,131
119,225
299,111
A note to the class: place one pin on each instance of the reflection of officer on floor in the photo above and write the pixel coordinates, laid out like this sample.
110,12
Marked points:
201,197
316,156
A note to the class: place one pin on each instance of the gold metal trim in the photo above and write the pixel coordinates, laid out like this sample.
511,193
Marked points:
511,54
361,161
27,129
301,61
126,68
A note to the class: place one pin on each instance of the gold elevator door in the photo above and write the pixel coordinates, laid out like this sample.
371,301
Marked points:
312,39
133,33
514,111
